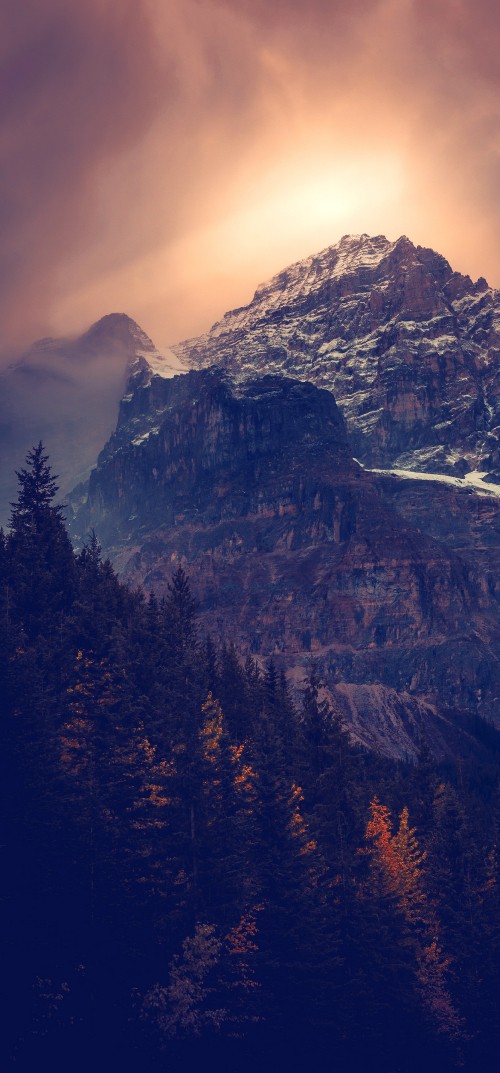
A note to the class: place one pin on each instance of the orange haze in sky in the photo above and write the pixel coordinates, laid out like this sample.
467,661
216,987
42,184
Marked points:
163,157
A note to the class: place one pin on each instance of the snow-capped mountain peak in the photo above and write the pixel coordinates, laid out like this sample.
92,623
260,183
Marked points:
409,348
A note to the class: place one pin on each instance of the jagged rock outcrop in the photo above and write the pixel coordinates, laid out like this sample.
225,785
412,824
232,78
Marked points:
294,549
409,348
66,393
197,449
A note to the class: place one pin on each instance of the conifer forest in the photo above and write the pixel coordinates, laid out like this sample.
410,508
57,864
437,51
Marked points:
200,869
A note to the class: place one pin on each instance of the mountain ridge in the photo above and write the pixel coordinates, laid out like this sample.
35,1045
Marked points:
296,548
295,551
409,348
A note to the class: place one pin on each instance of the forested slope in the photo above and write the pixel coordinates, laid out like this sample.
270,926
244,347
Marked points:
199,867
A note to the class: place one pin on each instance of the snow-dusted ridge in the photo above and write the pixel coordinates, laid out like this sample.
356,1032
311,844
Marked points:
164,364
410,349
350,254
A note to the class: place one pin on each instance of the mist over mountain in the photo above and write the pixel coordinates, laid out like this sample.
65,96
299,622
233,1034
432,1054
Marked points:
409,348
389,581
66,392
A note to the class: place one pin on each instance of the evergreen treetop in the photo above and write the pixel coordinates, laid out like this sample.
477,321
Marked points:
37,490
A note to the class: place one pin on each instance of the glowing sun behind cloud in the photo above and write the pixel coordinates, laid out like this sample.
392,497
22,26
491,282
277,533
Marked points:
165,162
300,203
261,225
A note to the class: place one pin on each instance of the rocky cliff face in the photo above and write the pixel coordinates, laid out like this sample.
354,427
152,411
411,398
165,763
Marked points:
66,393
197,449
409,348
293,549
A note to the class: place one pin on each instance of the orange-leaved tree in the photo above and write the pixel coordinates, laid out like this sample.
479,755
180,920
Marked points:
397,868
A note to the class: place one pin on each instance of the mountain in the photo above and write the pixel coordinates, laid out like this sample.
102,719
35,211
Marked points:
294,549
66,393
409,348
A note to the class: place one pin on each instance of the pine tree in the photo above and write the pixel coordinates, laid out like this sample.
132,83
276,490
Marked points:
295,953
232,693
183,692
100,603
226,879
397,867
37,490
39,551
459,865
315,719
210,668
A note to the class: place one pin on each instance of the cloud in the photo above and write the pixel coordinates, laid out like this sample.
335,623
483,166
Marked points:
161,157
79,84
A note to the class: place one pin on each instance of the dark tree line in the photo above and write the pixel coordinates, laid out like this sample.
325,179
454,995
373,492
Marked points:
198,866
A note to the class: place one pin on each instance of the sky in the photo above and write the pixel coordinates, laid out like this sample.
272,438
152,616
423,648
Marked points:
162,158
